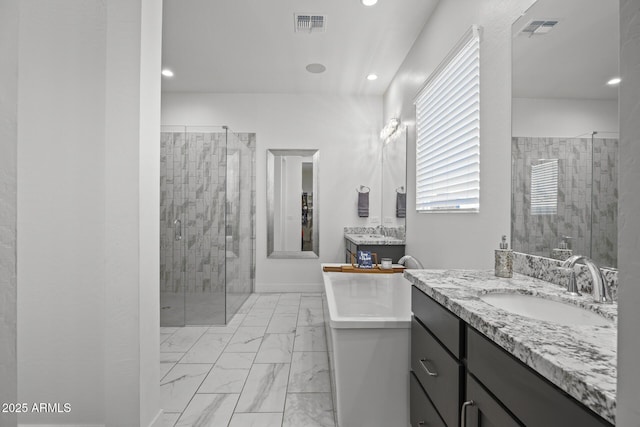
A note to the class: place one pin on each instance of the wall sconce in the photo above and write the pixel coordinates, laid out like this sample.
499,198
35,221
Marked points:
391,128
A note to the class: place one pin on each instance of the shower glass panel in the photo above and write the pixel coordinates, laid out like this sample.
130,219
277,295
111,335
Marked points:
239,232
206,259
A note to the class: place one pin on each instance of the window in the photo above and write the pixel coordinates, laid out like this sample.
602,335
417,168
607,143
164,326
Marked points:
448,132
544,187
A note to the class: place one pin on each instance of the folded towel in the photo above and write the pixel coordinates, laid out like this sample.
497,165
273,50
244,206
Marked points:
401,205
363,204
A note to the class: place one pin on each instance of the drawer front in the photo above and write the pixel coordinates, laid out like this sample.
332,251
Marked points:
444,325
485,411
531,398
351,247
438,372
422,413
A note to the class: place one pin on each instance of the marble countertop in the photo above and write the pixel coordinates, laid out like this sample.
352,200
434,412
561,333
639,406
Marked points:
372,239
580,359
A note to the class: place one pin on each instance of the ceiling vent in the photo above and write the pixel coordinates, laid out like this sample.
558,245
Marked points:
538,27
307,23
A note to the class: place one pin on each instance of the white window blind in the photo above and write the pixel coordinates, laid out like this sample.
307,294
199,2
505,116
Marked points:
544,188
448,132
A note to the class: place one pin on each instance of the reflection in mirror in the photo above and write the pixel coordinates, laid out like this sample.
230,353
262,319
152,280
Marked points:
394,183
564,130
292,204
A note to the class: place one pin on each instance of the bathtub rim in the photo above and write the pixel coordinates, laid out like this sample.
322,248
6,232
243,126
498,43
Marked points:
351,322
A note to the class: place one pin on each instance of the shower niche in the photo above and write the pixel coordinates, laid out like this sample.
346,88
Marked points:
207,234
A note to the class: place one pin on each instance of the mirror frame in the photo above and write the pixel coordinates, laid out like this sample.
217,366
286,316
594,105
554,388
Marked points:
271,157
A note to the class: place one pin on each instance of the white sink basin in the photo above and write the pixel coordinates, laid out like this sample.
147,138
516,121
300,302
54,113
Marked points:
544,309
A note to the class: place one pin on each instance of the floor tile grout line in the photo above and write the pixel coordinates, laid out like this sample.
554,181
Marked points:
249,373
295,335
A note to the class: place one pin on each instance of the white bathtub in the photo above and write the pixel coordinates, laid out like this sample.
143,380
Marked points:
367,322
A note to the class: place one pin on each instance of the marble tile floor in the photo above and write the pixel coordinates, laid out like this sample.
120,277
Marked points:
267,368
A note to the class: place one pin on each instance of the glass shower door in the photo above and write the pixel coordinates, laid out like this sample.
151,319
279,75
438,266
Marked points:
172,256
239,229
206,170
207,224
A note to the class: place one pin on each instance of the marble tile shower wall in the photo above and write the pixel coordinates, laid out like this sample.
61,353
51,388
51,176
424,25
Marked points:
193,182
538,234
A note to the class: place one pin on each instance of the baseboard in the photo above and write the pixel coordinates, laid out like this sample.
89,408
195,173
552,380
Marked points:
288,287
157,421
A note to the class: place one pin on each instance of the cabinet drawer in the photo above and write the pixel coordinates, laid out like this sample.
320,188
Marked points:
442,324
438,372
531,398
485,411
423,413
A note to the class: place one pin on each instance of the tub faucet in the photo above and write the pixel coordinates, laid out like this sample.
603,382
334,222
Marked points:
410,262
599,290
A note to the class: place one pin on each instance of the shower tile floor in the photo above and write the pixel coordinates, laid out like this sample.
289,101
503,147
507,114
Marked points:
267,367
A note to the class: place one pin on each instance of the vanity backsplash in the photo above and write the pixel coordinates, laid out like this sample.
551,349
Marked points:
547,269
395,232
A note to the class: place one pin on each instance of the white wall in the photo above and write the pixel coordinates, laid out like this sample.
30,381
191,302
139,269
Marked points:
563,118
61,179
443,240
8,169
345,130
87,298
628,399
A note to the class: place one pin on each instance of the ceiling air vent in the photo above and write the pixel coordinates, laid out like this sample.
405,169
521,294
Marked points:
307,23
538,27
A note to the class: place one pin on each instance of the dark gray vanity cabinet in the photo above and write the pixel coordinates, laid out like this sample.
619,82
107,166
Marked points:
436,368
480,409
395,252
459,377
528,396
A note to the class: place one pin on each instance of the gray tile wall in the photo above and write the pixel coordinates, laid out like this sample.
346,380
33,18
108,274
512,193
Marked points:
539,234
199,185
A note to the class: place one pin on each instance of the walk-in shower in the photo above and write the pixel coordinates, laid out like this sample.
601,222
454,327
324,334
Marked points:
207,231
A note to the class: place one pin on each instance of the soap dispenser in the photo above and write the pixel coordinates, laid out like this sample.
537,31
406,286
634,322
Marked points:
504,259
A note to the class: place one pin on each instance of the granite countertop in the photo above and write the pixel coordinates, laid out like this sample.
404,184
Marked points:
580,359
372,239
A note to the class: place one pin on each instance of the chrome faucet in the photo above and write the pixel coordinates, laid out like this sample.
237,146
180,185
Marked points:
599,290
410,262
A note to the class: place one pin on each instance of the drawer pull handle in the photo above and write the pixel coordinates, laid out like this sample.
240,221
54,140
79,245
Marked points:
424,366
463,412
421,423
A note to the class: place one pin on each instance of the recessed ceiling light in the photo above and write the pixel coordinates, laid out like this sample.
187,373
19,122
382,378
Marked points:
372,77
614,81
369,2
316,68
167,72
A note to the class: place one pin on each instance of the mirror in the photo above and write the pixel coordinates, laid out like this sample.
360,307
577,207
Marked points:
292,204
394,183
564,148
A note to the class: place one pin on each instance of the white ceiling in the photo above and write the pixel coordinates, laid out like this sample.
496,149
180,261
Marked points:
249,46
576,58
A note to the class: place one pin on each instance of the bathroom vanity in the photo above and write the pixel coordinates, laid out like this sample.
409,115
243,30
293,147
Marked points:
383,246
474,364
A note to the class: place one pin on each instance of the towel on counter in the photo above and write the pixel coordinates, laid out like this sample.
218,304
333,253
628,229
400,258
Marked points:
401,205
363,204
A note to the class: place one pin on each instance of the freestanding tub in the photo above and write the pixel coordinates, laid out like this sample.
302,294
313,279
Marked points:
367,323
